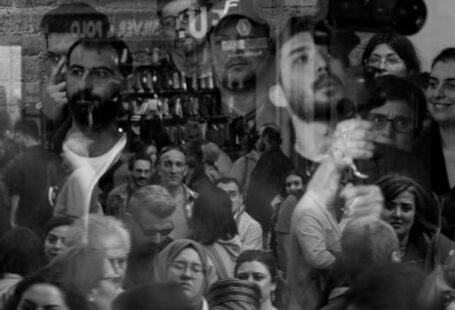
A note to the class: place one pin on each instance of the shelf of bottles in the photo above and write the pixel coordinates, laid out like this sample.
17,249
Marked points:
159,91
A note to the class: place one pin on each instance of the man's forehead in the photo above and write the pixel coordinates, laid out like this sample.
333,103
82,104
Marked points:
60,43
176,6
228,186
299,41
173,155
92,57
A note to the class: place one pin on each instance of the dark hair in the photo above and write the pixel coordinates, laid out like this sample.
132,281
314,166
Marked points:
212,217
392,286
28,128
400,44
340,42
125,58
159,296
426,216
161,3
57,221
265,258
21,252
62,18
138,156
272,132
227,180
78,266
396,88
283,183
234,294
447,54
73,298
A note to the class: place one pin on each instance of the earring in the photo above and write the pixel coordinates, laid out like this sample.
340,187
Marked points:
272,296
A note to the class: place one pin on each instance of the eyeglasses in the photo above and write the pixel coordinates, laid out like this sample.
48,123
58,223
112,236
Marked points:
114,279
180,267
184,18
399,123
388,61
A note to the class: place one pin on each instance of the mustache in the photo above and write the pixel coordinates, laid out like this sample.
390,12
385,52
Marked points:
237,59
85,97
325,79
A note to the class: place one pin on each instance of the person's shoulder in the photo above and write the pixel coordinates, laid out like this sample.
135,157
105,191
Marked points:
245,217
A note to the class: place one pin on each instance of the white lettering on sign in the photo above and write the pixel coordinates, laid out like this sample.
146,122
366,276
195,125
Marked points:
232,45
87,29
137,28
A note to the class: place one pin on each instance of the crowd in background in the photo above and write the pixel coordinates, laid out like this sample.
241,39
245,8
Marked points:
359,215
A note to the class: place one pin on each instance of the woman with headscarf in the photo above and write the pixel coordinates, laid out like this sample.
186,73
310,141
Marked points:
186,263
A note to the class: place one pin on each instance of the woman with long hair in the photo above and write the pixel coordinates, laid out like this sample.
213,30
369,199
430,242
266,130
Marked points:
412,213
214,227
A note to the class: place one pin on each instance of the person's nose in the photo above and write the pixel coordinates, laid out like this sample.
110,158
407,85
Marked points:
440,91
86,81
388,130
398,212
59,244
321,63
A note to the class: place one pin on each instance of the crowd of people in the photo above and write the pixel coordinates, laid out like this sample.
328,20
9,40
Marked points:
358,215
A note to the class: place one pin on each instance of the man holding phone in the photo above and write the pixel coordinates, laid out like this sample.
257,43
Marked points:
61,27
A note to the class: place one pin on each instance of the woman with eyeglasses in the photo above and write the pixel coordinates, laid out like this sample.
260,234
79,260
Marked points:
185,262
400,119
259,268
391,53
90,272
413,215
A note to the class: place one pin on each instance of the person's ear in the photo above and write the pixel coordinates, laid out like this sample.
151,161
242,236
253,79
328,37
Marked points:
276,95
395,257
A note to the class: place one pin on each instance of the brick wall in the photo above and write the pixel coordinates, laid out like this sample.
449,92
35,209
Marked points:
135,20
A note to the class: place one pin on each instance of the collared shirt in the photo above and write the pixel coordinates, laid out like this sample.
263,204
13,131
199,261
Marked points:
118,199
182,214
250,231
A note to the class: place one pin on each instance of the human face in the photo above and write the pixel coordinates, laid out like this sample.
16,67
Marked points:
58,45
149,231
387,61
257,273
54,243
177,15
152,153
311,80
117,252
237,65
93,84
142,170
400,213
441,93
172,168
108,288
399,129
233,191
41,297
294,184
187,270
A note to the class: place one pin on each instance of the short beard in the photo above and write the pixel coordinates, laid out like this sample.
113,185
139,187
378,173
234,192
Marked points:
89,111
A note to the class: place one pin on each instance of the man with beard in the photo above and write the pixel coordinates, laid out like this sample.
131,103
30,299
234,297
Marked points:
96,72
140,166
313,83
242,54
149,219
62,26
189,53
266,177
